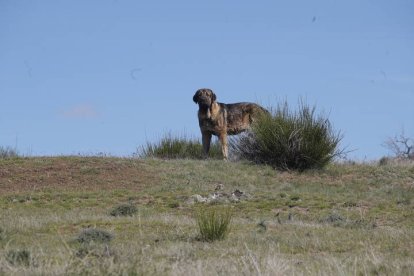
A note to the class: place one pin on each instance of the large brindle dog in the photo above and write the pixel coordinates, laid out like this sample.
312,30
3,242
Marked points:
223,119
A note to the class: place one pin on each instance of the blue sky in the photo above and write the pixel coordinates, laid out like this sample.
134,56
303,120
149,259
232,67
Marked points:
107,76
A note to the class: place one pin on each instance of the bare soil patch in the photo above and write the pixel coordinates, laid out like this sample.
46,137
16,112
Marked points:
72,173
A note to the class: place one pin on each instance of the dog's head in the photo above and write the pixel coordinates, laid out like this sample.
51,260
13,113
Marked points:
204,98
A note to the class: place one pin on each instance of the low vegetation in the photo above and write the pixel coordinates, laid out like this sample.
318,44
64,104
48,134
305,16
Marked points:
178,147
124,210
401,145
93,235
290,140
18,257
347,219
213,223
8,152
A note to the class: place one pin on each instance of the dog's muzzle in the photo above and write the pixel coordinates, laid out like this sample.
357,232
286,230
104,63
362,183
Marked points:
204,105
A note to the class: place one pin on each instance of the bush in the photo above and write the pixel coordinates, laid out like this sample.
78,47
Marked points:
213,224
18,257
334,219
94,235
289,140
384,161
171,147
401,145
124,210
8,152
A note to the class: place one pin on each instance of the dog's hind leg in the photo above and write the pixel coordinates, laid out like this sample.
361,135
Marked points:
206,139
223,142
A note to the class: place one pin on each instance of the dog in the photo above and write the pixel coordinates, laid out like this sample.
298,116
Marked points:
221,119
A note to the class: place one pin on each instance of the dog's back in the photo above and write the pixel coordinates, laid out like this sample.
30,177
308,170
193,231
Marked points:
239,116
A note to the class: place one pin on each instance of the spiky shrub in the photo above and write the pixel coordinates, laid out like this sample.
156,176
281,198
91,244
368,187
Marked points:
213,223
290,140
124,210
178,147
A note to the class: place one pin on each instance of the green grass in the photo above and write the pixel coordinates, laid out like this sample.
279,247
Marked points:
178,147
347,219
213,223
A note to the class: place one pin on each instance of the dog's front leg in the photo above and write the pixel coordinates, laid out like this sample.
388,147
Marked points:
206,139
223,142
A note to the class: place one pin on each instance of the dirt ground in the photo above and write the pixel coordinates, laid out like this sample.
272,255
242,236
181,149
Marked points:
89,174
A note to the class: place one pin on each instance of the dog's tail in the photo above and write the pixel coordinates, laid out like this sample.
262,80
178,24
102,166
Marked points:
258,112
264,110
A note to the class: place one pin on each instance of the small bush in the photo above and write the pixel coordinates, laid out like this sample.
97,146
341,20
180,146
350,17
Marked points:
289,140
335,220
124,210
18,257
94,235
350,204
295,197
8,152
395,161
213,224
174,204
170,147
384,161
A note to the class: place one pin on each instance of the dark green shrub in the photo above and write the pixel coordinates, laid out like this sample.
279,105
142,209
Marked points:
213,223
18,257
295,197
94,235
170,147
124,210
174,204
290,140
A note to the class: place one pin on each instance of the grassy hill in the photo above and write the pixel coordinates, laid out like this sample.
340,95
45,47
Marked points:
346,219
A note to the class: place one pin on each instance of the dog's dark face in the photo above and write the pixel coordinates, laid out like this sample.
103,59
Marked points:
204,98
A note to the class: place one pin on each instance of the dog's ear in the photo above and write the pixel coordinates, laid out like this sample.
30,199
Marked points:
213,97
196,95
